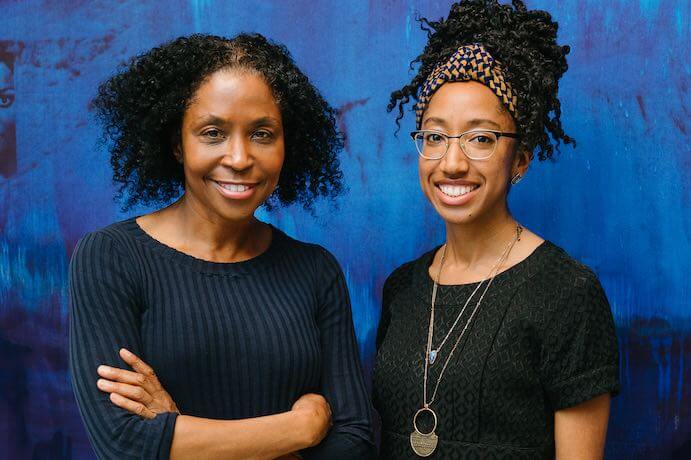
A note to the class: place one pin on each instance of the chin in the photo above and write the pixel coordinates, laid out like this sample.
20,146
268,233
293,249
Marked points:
230,212
236,214
456,216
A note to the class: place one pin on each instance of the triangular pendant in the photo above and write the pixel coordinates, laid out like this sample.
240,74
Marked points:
432,356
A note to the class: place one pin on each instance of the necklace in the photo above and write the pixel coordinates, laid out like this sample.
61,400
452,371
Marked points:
424,444
432,353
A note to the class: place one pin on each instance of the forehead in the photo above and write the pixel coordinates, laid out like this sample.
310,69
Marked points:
457,103
234,93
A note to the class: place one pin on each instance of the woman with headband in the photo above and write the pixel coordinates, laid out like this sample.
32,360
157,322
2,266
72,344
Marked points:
496,344
247,329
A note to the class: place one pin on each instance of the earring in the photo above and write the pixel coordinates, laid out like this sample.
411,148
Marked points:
516,178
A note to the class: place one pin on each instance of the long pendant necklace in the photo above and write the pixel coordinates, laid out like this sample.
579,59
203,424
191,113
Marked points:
424,444
432,353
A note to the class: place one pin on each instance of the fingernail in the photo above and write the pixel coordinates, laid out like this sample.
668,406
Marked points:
126,352
101,383
102,369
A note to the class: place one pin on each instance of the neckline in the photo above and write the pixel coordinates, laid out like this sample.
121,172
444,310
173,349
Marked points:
447,292
206,266
430,256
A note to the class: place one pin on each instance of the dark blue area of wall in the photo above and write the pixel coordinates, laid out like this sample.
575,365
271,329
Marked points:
619,202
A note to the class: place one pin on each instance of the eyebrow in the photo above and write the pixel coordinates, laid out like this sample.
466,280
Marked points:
209,120
483,121
264,121
216,120
474,122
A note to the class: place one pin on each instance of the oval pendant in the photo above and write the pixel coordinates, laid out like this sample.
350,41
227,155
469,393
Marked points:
423,444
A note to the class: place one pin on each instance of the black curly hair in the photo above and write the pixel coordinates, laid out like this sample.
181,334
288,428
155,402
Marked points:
141,109
524,42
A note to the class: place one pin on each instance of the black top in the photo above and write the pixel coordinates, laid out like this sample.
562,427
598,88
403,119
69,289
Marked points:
542,340
227,340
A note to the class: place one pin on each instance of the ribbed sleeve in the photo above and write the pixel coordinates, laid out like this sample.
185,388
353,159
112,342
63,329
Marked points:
341,377
105,316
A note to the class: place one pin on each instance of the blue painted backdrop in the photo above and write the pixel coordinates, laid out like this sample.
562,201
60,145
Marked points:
619,202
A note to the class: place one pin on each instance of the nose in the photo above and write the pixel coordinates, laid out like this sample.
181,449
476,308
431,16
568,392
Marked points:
455,162
237,156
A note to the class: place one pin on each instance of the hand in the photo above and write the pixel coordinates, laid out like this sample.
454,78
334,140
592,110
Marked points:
315,413
138,392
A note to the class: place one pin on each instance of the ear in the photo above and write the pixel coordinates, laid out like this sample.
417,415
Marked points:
521,161
176,143
177,153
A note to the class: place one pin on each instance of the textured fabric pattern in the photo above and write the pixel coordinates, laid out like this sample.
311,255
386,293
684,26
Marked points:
227,340
542,340
469,62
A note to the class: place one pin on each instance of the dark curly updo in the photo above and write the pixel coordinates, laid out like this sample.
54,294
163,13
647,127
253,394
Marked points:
524,42
142,108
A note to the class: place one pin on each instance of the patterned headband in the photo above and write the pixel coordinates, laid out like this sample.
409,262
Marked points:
469,62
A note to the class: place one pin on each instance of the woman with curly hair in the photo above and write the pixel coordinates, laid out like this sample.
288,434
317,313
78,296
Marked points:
249,331
496,344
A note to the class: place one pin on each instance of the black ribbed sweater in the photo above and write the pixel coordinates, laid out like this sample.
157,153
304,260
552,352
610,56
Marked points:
227,340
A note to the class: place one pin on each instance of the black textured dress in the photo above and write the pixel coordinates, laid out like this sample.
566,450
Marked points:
542,340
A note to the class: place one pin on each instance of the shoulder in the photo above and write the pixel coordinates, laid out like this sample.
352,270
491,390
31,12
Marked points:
559,270
402,277
566,290
404,272
306,256
305,249
116,239
106,259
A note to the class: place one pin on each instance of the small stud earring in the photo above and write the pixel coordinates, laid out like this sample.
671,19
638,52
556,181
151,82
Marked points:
516,178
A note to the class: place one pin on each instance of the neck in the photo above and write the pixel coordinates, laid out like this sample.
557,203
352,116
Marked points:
220,239
479,243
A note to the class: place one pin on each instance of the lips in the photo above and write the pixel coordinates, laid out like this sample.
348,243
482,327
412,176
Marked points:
235,187
455,194
235,190
456,190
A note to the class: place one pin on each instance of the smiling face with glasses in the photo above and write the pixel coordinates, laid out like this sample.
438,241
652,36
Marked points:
469,150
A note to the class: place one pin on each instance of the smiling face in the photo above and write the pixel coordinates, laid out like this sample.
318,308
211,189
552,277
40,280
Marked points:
464,191
232,145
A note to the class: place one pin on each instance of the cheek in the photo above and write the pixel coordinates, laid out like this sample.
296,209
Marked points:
499,172
194,163
189,153
273,163
279,157
423,173
425,169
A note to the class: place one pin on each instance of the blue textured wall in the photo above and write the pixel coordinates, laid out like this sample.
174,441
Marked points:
619,202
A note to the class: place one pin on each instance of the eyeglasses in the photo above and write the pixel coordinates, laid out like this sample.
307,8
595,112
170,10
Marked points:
478,144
